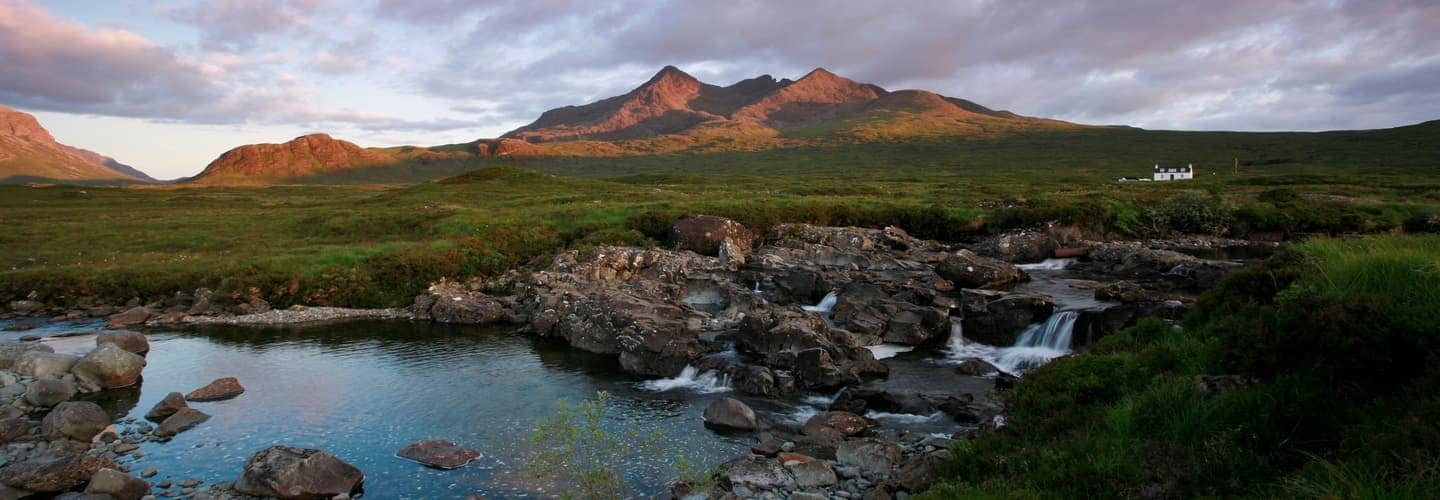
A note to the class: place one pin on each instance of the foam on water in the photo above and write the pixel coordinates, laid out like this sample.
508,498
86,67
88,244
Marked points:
1047,265
904,418
691,379
826,304
1037,345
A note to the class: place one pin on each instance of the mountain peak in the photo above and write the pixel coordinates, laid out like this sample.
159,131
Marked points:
19,124
29,152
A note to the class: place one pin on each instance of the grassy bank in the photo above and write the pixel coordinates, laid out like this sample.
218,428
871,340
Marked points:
378,245
1338,347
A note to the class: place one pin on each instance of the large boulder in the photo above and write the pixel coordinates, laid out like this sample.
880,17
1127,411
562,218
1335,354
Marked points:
297,473
109,366
705,235
54,470
131,317
966,269
755,473
47,392
874,456
118,485
13,427
43,364
866,310
846,423
730,414
10,352
182,420
130,341
809,472
172,403
1028,245
438,453
217,390
77,420
921,471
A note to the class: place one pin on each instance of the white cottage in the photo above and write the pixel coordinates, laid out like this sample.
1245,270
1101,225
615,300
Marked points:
1174,173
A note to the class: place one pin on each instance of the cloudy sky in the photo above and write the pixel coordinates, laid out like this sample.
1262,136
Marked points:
169,85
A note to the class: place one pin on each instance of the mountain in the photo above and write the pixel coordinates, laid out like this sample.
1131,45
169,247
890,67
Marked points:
820,103
319,157
28,153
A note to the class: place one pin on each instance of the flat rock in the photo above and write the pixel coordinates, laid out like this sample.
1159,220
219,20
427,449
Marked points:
172,403
438,453
756,473
220,389
297,473
182,420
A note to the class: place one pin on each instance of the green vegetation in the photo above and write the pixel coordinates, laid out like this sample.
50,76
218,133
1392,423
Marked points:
574,448
379,245
1331,354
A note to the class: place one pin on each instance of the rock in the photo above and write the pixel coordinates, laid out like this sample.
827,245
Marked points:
10,352
78,420
134,342
968,270
131,317
438,453
53,470
755,473
26,307
871,455
976,367
297,473
450,302
811,473
1028,245
921,471
183,419
172,403
43,364
109,366
219,389
12,428
49,392
117,484
8,493
865,309
705,234
150,472
21,326
1135,259
848,424
997,318
29,337
728,414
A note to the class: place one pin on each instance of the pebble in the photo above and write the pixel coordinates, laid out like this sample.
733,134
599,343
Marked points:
188,483
151,472
163,484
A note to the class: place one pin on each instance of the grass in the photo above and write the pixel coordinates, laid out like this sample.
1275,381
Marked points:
1338,339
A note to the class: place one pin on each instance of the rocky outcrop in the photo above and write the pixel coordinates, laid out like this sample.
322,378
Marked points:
438,453
866,310
451,302
1029,245
297,473
712,236
1133,258
969,270
996,318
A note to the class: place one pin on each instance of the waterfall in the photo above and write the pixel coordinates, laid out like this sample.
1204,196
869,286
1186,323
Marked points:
1037,345
826,304
1047,265
693,379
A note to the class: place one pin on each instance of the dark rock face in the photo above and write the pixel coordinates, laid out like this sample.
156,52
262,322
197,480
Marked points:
705,235
172,403
1131,258
54,470
182,420
969,270
219,389
134,342
297,473
438,453
1029,245
449,302
996,318
921,471
976,368
78,420
866,310
730,413
117,485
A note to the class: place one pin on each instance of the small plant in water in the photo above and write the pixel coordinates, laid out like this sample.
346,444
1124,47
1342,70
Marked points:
574,449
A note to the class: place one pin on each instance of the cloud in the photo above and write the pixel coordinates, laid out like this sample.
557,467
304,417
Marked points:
238,24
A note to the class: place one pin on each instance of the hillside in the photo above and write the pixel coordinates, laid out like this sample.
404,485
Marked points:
320,156
28,153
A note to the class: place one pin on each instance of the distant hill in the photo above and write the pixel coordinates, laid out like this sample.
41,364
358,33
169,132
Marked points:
315,157
28,153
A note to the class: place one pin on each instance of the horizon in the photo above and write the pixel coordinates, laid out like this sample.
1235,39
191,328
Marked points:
168,88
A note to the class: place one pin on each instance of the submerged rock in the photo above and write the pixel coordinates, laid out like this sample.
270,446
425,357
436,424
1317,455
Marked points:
219,389
297,473
438,453
730,413
182,420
